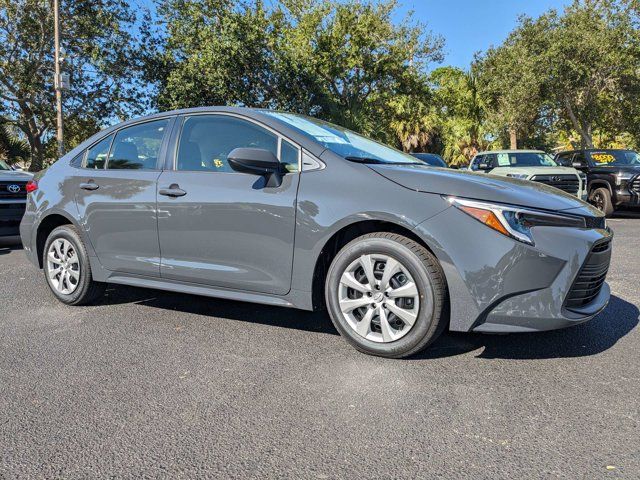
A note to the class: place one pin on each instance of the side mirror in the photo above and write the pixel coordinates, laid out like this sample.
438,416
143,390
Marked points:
485,167
578,165
257,161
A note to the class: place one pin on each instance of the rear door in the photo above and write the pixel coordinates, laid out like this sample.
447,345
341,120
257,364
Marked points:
227,229
116,197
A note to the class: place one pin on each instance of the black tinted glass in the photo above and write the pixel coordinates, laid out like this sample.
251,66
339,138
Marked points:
97,155
207,140
138,147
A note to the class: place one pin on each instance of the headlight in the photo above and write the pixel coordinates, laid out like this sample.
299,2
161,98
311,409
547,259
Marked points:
521,176
622,176
512,221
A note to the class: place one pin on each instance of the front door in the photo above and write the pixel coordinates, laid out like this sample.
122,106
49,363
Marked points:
227,229
116,198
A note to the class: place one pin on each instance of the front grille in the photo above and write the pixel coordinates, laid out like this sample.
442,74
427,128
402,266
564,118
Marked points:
635,185
566,183
6,189
595,222
590,279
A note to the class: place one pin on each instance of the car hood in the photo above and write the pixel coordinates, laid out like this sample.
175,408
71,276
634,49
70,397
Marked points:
477,186
15,176
613,169
535,170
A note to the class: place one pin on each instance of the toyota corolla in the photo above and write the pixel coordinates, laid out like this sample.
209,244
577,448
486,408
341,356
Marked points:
287,210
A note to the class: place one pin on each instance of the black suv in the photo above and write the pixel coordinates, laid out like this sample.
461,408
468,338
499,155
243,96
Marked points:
613,176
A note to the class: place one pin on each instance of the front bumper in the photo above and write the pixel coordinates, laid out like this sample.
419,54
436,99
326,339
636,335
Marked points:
11,213
626,198
499,285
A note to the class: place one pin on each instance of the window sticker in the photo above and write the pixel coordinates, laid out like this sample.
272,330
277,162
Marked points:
503,160
603,158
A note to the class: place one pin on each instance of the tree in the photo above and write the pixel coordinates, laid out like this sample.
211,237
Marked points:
213,52
346,62
100,55
461,112
580,67
12,148
360,68
510,82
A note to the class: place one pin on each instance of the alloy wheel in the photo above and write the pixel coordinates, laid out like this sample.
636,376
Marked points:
379,298
63,266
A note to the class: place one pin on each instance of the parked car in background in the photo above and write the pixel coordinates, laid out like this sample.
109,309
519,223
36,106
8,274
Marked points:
613,176
288,210
532,165
431,159
13,197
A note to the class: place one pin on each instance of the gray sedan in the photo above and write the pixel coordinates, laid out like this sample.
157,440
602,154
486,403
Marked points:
287,210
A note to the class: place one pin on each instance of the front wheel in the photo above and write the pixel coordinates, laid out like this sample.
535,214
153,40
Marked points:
67,269
601,199
386,295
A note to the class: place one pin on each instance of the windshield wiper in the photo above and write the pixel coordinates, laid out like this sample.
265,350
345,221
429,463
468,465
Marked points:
365,160
375,161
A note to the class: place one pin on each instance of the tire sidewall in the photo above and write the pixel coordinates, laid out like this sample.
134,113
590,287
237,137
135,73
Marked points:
69,234
426,322
607,201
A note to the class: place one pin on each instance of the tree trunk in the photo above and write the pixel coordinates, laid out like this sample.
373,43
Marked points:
582,127
37,155
513,139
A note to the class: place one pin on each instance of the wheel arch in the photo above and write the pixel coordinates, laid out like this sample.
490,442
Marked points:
346,234
46,225
597,183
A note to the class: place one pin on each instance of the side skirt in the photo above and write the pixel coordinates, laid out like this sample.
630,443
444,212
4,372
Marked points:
295,299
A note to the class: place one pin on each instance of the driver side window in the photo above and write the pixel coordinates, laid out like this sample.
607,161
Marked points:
207,140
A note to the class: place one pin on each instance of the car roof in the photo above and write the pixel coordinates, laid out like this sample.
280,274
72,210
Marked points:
257,114
509,151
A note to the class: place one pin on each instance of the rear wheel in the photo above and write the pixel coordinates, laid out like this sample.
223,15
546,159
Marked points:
601,199
67,269
386,295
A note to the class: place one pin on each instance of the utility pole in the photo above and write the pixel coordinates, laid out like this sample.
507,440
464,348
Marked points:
58,79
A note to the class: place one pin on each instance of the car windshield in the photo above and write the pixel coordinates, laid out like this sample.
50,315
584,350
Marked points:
430,159
343,142
4,166
615,158
525,159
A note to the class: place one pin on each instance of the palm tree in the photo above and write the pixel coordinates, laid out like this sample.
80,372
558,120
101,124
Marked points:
12,148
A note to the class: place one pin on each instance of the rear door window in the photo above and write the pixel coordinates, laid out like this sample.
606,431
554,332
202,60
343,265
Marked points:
138,147
97,154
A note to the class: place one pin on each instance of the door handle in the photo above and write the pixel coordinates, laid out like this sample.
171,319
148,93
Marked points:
90,185
173,191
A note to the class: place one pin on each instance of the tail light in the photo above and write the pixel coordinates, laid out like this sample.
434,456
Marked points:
32,186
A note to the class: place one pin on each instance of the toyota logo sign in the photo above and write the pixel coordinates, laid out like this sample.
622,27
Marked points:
556,179
13,188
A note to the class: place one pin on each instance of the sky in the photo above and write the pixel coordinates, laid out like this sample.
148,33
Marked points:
469,26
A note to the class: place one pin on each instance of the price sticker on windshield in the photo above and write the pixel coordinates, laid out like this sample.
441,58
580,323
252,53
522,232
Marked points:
603,158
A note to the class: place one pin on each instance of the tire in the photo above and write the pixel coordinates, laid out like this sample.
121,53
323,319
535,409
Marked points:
421,314
66,246
601,199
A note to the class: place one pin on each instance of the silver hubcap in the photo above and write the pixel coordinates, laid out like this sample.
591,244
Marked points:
379,298
63,266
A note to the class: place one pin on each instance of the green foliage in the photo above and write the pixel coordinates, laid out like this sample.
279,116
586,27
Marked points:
461,113
349,63
12,148
579,70
100,56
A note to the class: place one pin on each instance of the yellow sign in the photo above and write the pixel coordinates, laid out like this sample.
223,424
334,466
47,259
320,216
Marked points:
603,157
218,163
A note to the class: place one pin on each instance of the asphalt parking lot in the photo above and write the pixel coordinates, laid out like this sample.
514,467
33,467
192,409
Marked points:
155,384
